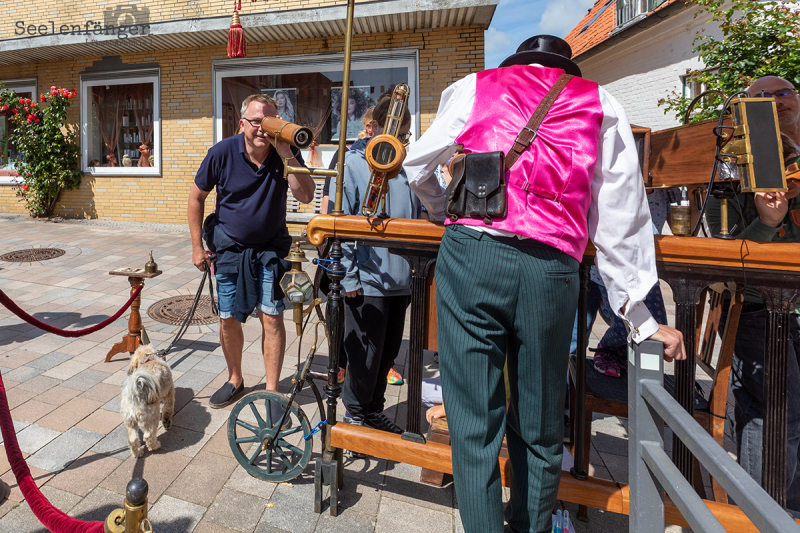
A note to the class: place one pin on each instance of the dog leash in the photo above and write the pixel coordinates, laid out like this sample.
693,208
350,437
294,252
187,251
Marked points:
185,325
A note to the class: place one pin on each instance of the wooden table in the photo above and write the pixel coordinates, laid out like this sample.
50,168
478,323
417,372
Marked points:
133,339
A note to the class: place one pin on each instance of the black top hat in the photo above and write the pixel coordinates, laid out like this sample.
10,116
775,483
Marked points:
546,50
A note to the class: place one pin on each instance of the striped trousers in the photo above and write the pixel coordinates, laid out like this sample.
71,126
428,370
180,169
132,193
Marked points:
498,300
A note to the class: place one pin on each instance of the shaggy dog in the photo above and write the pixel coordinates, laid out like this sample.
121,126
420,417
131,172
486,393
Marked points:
149,383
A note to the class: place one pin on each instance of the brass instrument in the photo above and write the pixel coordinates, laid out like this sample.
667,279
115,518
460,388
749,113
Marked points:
298,136
385,152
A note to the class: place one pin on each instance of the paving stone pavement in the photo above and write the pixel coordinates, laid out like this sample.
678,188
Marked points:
65,403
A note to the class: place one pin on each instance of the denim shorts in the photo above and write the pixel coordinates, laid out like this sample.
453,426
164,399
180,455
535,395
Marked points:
226,294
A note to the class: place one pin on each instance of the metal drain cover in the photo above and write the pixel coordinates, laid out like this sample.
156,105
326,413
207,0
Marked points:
32,254
173,311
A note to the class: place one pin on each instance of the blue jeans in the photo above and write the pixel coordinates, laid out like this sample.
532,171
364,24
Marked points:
747,387
226,293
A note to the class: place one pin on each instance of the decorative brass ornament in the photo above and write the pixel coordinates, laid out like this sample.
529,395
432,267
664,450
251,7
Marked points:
151,267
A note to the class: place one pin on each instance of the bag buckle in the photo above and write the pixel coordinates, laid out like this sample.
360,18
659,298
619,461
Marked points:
533,132
526,185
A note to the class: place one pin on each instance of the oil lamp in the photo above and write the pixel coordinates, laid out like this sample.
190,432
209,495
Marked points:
297,285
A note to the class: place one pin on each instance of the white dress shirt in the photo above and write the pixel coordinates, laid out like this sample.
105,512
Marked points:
619,219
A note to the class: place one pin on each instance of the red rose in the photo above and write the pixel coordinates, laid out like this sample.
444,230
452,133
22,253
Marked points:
15,111
36,121
41,97
27,101
70,95
4,107
24,187
53,91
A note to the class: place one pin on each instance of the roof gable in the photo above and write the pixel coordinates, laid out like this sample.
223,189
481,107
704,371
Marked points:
596,26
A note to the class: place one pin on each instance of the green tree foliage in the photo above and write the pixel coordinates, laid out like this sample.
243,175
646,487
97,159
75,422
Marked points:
758,39
48,147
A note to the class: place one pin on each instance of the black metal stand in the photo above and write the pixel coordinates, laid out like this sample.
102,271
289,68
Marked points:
328,473
334,312
329,469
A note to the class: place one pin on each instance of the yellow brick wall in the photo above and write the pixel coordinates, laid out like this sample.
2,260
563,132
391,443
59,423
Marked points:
78,12
445,55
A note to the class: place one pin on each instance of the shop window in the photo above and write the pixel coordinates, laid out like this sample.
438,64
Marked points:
8,152
120,117
308,91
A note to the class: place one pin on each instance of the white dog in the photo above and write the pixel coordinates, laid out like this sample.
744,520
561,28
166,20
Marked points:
149,383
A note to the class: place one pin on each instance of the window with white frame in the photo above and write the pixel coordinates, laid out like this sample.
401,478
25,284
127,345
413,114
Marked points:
24,88
120,123
308,90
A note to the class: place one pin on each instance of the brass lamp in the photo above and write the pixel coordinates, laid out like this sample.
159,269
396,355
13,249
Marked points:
297,285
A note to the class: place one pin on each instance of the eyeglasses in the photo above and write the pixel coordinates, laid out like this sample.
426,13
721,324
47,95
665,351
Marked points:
255,122
782,94
404,137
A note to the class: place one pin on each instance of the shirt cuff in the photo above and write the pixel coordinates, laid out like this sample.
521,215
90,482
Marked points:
351,283
641,322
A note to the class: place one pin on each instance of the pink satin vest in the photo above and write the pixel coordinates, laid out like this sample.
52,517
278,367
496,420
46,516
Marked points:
549,187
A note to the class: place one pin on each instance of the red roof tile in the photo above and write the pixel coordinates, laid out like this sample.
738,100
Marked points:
581,39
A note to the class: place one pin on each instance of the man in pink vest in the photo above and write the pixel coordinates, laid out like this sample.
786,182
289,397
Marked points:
507,290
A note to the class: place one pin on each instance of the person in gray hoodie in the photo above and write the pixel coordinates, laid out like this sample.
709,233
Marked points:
377,288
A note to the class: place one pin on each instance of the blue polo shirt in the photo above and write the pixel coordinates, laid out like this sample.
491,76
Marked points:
251,201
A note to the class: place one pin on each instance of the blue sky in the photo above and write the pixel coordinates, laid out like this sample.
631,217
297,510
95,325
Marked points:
516,20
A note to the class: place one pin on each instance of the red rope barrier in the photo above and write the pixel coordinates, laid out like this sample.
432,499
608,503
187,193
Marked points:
14,308
50,517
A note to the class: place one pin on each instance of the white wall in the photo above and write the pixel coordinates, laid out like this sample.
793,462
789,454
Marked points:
644,68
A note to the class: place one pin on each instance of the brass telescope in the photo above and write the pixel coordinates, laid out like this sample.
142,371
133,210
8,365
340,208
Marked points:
298,136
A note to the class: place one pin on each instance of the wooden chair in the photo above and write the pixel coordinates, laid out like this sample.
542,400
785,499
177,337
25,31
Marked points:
610,395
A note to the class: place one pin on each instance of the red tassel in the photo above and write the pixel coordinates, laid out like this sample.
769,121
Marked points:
237,45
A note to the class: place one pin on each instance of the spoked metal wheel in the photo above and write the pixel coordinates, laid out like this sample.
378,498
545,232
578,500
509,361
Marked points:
252,431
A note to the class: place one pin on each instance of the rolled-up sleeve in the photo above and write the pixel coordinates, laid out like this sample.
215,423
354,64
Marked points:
619,223
437,145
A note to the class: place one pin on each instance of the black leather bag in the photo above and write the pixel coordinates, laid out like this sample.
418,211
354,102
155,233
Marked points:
478,185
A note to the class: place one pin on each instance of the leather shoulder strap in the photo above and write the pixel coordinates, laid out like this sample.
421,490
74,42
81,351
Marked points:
528,133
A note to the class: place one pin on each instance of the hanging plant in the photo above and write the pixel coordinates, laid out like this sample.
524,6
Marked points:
47,145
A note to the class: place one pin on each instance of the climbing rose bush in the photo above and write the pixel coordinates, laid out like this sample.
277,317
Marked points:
47,145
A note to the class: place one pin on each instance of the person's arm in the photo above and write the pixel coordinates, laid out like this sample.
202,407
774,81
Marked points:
206,178
195,213
302,185
621,229
436,145
771,207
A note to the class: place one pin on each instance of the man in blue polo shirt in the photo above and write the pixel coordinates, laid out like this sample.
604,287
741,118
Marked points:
249,235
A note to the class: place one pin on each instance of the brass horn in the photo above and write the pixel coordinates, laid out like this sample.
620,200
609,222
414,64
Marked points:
385,152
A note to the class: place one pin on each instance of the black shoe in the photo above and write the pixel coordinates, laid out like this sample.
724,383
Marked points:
381,422
225,395
277,410
349,419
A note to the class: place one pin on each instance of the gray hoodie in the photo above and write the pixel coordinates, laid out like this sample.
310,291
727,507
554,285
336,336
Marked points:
374,270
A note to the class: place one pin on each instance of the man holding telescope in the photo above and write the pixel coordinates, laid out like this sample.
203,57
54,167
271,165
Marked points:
248,233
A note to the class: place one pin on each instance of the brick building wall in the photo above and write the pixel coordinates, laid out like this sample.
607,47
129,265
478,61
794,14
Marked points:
445,55
646,67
